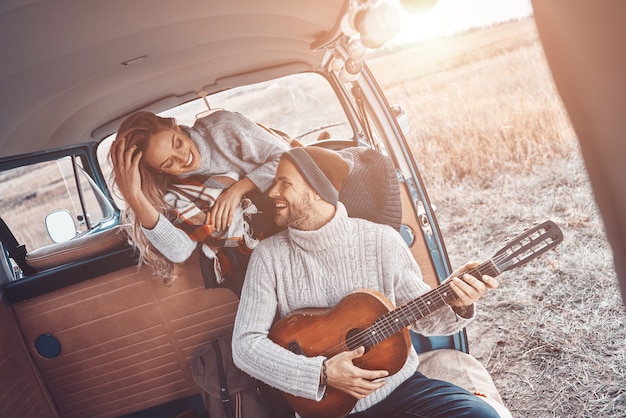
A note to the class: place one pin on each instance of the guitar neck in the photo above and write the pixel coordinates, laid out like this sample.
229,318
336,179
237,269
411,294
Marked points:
518,251
396,320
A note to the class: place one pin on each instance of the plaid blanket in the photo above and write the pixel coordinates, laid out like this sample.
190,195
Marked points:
191,201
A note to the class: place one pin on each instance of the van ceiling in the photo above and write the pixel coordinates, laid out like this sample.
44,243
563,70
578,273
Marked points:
70,67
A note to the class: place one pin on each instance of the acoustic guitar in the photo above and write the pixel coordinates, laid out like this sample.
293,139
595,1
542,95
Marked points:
367,318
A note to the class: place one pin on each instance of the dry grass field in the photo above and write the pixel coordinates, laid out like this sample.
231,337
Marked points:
497,154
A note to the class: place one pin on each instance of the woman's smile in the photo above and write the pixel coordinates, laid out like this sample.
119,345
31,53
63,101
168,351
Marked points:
190,159
172,152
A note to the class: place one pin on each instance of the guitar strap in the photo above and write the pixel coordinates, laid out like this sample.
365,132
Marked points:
222,378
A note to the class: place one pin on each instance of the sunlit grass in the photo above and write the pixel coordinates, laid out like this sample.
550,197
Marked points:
497,154
485,117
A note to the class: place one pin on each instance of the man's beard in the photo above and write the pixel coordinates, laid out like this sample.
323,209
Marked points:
298,214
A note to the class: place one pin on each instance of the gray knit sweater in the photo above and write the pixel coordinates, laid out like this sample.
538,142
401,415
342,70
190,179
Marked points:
227,142
302,269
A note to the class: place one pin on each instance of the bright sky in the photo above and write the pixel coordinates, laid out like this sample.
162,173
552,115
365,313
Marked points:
451,16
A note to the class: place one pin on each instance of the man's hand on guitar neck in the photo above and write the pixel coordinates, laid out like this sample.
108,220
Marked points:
342,374
468,289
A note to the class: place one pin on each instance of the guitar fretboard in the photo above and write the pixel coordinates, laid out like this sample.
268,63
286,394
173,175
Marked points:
517,252
396,320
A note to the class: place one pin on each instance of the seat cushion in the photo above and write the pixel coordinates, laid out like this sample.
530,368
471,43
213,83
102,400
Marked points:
461,369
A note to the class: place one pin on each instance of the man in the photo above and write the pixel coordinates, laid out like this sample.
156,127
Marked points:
320,258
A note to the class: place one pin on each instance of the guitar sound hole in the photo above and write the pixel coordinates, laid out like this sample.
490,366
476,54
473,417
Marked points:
294,347
356,338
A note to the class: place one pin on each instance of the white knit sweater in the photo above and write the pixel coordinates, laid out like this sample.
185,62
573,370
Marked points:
302,269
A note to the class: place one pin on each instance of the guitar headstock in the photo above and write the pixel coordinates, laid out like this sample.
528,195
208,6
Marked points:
528,245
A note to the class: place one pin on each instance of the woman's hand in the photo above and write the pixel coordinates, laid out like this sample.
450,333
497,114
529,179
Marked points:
128,179
223,210
126,169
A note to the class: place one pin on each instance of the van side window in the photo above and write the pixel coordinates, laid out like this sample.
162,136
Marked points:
59,188
303,105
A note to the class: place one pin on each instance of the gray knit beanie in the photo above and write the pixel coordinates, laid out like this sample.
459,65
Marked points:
324,170
372,191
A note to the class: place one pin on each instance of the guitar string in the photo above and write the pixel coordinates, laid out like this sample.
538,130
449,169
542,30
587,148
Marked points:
429,302
435,295
426,300
379,332
414,310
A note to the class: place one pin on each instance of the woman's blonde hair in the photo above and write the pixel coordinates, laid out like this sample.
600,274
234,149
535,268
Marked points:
137,129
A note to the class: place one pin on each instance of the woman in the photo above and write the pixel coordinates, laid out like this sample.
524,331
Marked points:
152,154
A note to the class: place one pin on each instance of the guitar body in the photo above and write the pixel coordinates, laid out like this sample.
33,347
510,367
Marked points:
327,332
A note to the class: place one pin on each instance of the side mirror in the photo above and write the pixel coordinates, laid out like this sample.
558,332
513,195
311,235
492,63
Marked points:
60,225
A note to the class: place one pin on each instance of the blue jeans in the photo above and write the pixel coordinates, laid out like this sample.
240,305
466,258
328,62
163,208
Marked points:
422,397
